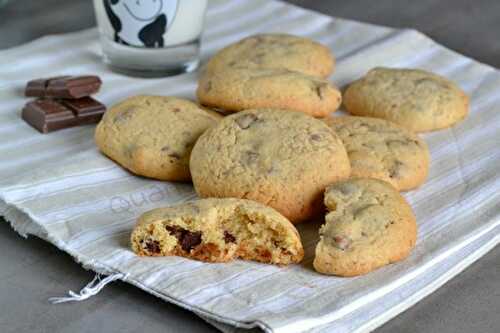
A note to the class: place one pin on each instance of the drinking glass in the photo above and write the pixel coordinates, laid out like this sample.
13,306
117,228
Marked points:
150,38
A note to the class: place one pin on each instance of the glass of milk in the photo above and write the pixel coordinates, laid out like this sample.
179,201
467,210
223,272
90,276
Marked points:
151,38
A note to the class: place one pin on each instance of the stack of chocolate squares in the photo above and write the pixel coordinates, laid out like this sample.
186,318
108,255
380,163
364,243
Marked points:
63,102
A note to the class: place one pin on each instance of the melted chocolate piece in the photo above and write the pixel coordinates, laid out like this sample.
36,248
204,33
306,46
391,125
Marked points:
190,240
177,232
153,247
228,238
187,239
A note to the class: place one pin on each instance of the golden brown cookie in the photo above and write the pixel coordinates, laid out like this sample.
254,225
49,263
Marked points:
281,158
218,230
380,149
418,100
275,51
241,89
152,136
369,225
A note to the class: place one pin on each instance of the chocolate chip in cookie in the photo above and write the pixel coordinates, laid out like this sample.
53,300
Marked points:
246,120
228,237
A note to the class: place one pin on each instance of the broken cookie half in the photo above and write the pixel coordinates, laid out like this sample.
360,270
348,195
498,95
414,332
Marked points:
218,230
369,225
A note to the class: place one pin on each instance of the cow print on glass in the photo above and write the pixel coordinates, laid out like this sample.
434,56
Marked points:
140,22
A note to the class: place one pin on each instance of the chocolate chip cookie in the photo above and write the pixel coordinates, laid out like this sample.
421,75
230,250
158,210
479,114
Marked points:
153,136
416,99
239,89
369,225
281,158
380,149
275,51
218,230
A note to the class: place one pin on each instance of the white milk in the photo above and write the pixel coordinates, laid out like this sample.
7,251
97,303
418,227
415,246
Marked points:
151,37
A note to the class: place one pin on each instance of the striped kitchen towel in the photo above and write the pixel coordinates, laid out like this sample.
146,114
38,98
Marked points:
59,187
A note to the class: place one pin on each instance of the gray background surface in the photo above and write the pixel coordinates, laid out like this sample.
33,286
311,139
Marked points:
32,270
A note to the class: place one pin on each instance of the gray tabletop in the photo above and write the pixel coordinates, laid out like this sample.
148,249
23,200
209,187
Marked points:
33,270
